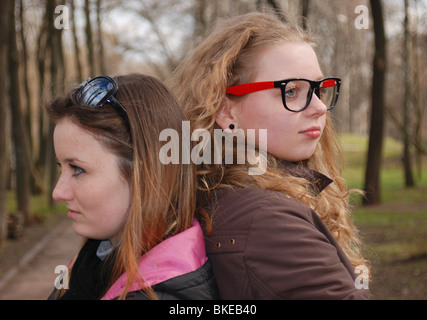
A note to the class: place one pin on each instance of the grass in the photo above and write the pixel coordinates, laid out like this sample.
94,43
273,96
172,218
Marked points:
395,232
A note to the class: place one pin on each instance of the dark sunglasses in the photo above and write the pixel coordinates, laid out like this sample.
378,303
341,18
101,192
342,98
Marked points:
296,93
96,92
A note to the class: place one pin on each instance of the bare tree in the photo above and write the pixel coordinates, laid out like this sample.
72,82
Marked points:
51,77
57,76
101,62
76,54
42,56
4,24
419,106
24,60
89,40
373,166
409,180
20,135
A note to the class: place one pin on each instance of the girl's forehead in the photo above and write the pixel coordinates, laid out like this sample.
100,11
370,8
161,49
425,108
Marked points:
288,60
73,142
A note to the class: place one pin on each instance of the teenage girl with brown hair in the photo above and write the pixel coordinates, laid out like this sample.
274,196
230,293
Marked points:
135,214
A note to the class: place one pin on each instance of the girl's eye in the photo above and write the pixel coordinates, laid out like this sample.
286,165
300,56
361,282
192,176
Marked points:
291,92
77,170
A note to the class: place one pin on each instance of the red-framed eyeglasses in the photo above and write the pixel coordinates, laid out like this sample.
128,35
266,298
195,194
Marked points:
297,92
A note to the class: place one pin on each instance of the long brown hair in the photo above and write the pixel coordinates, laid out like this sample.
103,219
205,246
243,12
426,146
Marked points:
228,57
163,196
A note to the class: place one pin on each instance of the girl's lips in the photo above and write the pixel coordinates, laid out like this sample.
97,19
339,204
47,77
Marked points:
313,132
72,214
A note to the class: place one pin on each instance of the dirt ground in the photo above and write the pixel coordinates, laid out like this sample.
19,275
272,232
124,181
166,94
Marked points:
399,275
13,250
34,277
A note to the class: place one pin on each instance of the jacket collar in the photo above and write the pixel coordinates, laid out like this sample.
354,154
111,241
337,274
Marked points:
175,256
318,180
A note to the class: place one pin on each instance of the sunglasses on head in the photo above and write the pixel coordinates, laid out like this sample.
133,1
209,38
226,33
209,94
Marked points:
96,92
297,92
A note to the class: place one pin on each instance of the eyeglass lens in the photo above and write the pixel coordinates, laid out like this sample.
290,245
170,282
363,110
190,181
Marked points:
297,94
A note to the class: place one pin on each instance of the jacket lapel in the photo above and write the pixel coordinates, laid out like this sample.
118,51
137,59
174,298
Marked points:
318,181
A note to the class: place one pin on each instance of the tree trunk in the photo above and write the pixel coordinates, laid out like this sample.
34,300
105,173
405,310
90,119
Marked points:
89,40
409,180
24,59
76,44
57,76
373,166
41,66
4,23
101,66
20,135
416,99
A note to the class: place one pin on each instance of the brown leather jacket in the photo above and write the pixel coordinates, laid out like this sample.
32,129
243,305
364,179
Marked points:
265,245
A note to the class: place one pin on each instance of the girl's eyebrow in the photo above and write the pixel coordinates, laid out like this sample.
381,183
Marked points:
70,160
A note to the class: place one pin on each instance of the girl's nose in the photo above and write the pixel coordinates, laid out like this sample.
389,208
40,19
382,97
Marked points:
62,191
316,107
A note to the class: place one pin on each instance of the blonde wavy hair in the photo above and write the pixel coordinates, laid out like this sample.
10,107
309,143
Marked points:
226,58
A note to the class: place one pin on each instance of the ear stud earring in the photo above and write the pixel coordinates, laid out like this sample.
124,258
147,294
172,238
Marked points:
230,128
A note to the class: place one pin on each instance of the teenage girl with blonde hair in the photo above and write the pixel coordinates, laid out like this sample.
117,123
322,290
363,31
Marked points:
136,214
287,233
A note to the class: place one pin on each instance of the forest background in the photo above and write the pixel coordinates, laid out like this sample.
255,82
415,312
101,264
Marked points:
377,47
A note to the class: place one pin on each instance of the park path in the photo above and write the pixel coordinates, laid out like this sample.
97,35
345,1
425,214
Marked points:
33,278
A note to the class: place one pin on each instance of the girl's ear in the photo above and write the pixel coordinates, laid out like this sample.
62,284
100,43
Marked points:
225,116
